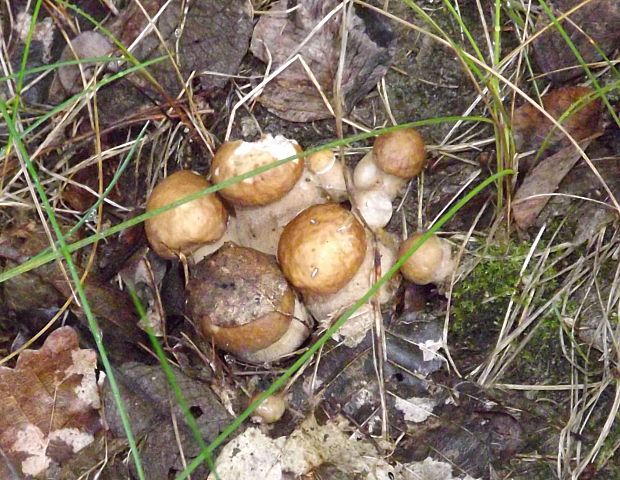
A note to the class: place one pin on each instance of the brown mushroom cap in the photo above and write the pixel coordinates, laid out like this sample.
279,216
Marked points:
321,248
428,263
186,227
238,157
240,300
400,153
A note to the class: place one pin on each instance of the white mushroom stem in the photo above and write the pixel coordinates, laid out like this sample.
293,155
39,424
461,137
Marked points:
368,176
375,207
327,308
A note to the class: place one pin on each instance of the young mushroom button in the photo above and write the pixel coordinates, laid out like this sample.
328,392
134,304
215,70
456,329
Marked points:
430,263
322,248
378,178
183,229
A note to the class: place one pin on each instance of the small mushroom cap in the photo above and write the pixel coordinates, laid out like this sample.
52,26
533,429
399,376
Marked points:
240,300
238,157
400,153
322,248
270,410
430,263
186,227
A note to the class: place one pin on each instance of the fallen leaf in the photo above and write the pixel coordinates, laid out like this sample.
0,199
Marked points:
531,196
532,129
47,287
151,404
292,95
592,28
50,405
205,37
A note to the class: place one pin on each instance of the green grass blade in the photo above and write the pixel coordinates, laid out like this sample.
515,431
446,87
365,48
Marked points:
174,386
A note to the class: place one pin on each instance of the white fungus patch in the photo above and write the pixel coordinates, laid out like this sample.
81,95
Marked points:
84,364
430,469
279,147
430,349
33,442
250,455
415,409
73,437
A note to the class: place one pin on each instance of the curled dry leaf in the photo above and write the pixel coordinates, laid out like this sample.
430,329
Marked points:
49,409
592,28
292,94
576,106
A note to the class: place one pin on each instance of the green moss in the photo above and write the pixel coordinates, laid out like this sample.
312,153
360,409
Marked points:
482,297
480,302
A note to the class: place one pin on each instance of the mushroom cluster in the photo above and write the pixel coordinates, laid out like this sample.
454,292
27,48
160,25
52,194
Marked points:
289,247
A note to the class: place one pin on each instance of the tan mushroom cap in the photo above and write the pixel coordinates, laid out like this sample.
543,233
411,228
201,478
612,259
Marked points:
186,227
238,157
400,153
240,300
428,263
322,248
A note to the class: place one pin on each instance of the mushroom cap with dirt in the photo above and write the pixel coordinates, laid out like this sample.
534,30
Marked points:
322,248
183,229
431,263
239,157
240,301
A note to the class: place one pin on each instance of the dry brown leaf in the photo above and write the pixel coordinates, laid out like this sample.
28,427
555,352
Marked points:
532,129
292,95
50,406
543,179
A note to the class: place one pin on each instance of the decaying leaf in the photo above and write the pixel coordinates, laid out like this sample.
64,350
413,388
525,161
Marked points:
278,35
592,28
50,406
254,455
205,37
578,109
150,406
47,287
579,113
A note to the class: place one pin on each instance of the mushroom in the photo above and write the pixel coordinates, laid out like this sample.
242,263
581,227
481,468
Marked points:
395,158
321,248
265,203
323,252
238,157
270,410
181,230
430,263
240,300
